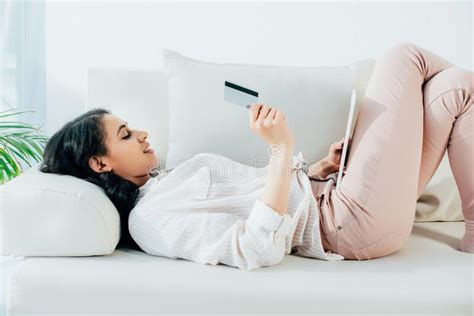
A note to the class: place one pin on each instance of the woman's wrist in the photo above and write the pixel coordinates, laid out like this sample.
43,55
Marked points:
281,159
280,150
321,169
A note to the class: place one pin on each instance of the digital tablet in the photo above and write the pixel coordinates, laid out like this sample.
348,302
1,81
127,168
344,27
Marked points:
351,122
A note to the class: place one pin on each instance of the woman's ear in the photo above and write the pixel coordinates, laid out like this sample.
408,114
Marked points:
99,164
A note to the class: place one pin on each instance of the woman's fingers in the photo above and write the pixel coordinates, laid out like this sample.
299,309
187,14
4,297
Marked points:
270,117
269,124
279,115
253,113
263,114
335,147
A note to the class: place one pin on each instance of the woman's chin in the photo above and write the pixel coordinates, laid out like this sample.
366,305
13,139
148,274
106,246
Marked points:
153,161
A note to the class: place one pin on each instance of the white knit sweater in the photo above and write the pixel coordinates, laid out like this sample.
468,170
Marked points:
209,210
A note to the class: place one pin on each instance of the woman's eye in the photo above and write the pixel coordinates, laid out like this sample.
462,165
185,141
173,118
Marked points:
127,136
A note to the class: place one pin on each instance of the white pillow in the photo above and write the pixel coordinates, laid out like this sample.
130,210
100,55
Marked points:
315,100
56,215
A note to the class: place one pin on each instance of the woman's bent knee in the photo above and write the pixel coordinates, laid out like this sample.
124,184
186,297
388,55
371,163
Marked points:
403,49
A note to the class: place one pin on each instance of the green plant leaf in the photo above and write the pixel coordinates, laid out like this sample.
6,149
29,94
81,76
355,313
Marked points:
18,154
4,171
19,133
20,145
18,141
12,114
11,162
39,137
15,125
34,146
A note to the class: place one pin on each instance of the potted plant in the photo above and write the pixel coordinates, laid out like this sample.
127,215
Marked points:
19,142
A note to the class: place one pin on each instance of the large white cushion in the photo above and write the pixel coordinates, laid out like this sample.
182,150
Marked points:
315,100
56,215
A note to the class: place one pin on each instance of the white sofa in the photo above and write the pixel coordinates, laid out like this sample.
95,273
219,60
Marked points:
428,275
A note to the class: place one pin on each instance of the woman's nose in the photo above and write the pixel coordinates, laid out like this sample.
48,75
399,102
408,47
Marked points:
143,135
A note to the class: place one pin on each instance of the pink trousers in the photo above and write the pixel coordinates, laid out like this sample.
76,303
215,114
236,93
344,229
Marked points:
417,105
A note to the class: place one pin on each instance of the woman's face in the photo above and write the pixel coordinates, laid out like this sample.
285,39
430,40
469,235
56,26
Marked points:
126,154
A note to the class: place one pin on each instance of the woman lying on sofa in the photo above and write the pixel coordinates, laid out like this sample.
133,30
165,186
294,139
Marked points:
417,105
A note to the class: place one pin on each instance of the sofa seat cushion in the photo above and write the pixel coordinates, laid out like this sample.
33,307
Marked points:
428,275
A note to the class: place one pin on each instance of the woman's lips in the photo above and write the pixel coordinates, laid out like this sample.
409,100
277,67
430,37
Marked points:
149,151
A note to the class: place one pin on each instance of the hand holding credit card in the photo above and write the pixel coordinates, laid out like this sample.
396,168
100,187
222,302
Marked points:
245,97
239,95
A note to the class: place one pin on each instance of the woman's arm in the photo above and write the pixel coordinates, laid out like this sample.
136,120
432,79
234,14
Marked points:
277,183
211,237
270,124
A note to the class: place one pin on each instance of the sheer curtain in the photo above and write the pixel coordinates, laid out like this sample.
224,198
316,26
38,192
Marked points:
22,59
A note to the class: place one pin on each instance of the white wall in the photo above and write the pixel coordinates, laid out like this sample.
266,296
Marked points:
129,34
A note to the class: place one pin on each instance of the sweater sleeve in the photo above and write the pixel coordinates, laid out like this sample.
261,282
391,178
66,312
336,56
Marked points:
212,238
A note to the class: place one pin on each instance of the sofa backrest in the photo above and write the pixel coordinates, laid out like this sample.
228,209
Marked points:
140,97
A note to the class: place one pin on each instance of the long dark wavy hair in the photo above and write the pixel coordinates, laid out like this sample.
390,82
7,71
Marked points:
68,151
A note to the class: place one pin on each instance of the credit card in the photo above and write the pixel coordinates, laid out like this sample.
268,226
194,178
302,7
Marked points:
239,95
